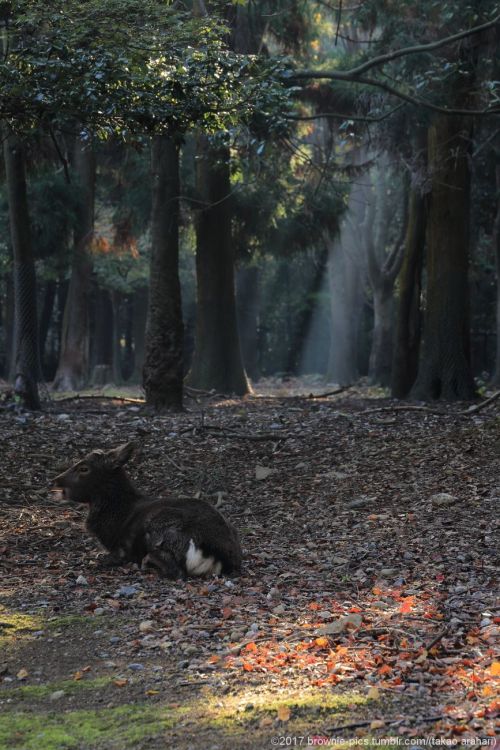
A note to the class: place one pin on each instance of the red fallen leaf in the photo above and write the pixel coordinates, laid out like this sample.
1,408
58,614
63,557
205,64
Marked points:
227,612
440,577
121,682
407,605
386,669
214,659
355,609
314,605
247,667
321,642
251,647
377,591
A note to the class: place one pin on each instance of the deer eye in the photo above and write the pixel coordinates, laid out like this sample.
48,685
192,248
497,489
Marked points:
83,469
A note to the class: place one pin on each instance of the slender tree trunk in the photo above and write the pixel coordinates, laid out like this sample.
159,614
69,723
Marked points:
102,339
496,249
346,302
217,362
116,301
46,314
408,325
247,300
163,365
72,372
140,310
9,327
444,369
26,371
383,328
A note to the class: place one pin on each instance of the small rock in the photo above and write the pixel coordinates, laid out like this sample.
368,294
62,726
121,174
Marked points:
388,572
99,611
380,605
443,499
190,650
147,626
279,610
135,667
81,581
359,503
115,639
336,560
57,695
126,591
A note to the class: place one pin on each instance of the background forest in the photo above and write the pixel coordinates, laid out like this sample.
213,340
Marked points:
214,191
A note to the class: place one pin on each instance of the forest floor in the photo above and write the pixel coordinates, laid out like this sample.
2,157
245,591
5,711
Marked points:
366,609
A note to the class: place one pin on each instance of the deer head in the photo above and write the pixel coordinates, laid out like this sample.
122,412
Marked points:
85,480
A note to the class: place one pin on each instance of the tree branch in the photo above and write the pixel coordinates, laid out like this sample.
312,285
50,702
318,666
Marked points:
340,116
389,56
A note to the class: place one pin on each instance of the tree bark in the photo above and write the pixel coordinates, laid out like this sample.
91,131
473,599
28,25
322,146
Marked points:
163,365
496,249
27,362
49,297
444,370
247,300
140,310
116,302
217,361
409,319
72,372
379,369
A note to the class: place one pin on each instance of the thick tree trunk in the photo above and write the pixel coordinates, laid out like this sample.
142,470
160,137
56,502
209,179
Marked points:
72,372
444,370
8,322
26,370
163,365
217,362
408,324
496,249
140,310
383,329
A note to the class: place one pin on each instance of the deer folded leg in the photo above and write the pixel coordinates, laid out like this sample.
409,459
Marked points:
165,563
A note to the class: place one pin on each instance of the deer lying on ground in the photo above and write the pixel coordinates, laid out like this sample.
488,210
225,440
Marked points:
177,537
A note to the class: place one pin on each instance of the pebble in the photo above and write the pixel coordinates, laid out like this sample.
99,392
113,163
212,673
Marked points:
126,591
57,695
135,666
81,581
115,639
99,611
388,571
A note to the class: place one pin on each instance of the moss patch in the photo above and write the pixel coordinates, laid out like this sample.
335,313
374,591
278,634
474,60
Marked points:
70,687
107,728
14,625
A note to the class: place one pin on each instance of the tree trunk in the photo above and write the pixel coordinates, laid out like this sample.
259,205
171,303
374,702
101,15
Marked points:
381,351
46,318
140,310
102,338
346,301
26,372
408,323
217,362
247,300
496,249
72,372
8,324
163,365
116,300
444,370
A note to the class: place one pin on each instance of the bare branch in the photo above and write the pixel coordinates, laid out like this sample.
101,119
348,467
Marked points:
345,116
347,75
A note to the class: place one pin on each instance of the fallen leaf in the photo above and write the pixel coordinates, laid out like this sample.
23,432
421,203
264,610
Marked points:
262,472
284,713
373,694
22,674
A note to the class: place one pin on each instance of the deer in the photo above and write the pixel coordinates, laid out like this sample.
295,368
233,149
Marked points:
176,537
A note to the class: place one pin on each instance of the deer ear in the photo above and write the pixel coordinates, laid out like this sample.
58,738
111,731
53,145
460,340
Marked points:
119,456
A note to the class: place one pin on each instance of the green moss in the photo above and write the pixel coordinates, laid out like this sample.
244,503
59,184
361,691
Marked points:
107,729
14,625
66,621
70,687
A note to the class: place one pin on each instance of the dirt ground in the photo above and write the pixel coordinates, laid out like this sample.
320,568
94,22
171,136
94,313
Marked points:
367,608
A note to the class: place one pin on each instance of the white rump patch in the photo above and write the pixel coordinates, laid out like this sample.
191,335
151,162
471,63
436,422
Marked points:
199,565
